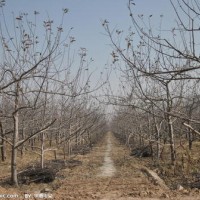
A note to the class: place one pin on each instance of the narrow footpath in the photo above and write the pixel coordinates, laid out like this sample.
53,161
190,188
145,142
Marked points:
109,173
108,169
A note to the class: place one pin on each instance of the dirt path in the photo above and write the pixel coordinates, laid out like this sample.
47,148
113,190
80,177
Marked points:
109,173
108,169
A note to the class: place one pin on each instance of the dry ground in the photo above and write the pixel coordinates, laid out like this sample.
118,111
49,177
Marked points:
128,182
122,179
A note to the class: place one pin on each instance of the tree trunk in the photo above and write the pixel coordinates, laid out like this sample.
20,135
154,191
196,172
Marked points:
64,150
69,141
190,138
50,139
3,148
171,138
22,147
42,151
158,141
14,179
170,126
69,147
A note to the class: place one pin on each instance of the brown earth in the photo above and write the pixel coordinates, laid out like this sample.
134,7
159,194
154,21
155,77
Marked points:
125,181
106,173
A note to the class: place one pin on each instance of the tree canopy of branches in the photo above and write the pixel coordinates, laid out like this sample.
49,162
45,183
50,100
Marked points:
44,93
160,75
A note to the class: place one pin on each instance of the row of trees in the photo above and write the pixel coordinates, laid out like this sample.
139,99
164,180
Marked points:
160,98
44,90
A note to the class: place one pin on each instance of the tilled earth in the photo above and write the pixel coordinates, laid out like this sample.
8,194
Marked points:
106,173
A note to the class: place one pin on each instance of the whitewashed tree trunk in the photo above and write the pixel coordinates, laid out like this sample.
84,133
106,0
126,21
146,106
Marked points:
42,150
14,179
170,127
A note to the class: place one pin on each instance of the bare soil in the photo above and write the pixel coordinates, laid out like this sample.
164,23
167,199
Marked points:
106,173
109,173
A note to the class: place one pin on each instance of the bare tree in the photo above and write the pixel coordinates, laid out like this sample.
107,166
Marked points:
158,72
32,71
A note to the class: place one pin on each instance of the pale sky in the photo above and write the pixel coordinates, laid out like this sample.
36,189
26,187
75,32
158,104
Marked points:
86,16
